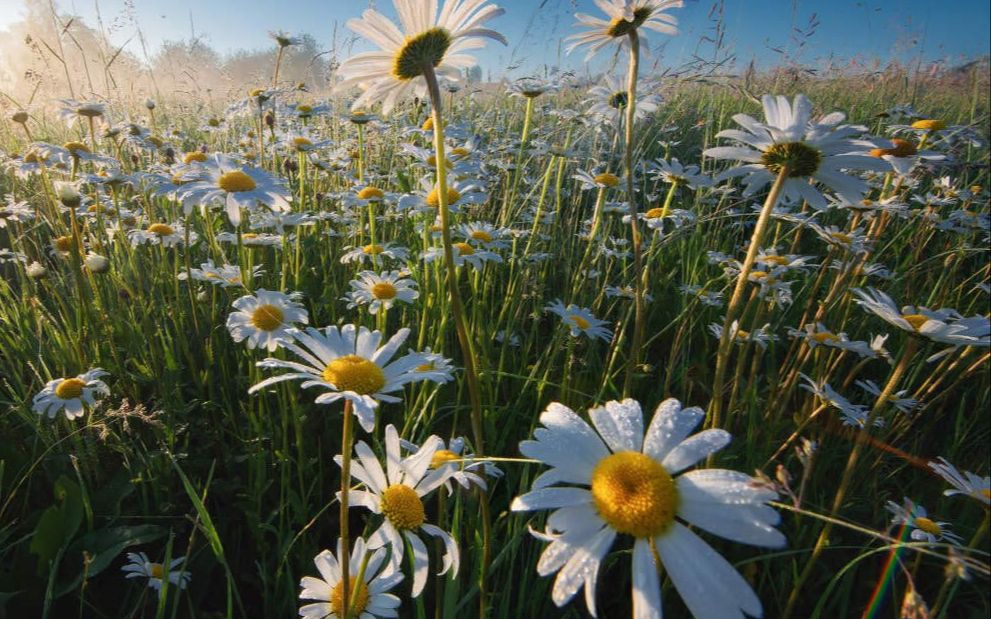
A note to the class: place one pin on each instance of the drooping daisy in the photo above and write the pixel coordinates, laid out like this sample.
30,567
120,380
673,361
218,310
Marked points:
853,414
462,465
225,276
370,597
623,480
816,334
140,566
348,363
761,336
380,290
236,187
943,325
427,39
397,494
580,320
624,17
924,528
970,484
675,173
788,138
264,318
71,394
897,399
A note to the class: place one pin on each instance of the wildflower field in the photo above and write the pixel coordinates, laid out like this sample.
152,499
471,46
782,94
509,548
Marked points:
418,345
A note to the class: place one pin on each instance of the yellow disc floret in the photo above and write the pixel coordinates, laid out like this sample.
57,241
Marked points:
403,507
607,178
580,322
418,52
371,193
70,388
929,124
267,317
464,249
433,198
354,373
236,181
357,591
161,229
384,291
929,526
916,320
634,494
442,457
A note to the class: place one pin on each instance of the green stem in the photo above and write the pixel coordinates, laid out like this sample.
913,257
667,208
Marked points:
631,106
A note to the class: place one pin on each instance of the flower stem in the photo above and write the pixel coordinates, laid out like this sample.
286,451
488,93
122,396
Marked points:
726,340
471,375
345,557
638,320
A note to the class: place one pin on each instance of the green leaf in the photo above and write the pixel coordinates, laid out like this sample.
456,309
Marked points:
58,524
104,546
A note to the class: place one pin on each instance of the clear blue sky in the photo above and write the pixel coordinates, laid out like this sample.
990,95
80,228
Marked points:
952,30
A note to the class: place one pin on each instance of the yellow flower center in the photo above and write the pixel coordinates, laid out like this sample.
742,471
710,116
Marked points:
825,336
384,290
373,250
901,148
403,507
304,109
156,570
929,124
69,388
236,181
354,373
464,249
634,494
460,151
654,213
423,50
433,198
267,317
841,237
357,591
801,159
432,161
428,124
301,143
607,178
619,27
157,141
916,320
986,493
778,260
31,157
580,322
371,193
161,229
213,122
481,235
63,243
442,457
75,148
927,525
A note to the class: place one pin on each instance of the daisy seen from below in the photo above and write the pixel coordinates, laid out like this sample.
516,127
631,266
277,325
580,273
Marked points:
427,40
623,480
580,321
397,493
140,566
72,394
924,528
348,363
623,17
265,317
790,141
369,598
967,483
236,187
380,290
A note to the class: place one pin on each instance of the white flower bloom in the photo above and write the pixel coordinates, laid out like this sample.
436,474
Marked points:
370,597
265,318
71,394
924,528
622,18
968,483
380,290
625,479
139,566
236,187
580,321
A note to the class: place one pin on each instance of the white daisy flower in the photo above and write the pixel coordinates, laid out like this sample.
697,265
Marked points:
348,363
140,566
608,102
225,276
72,394
374,252
265,318
397,493
395,71
853,414
897,399
624,17
380,290
811,150
369,598
968,483
761,336
943,325
924,528
462,465
464,254
816,334
580,320
166,235
624,480
237,186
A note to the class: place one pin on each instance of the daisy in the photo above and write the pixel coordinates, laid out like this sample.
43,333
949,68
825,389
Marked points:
374,252
237,187
397,493
924,528
264,318
371,597
348,363
896,399
484,234
602,180
160,233
853,414
761,336
140,566
225,276
903,155
380,290
816,334
427,40
944,325
73,110
531,87
608,103
72,394
966,483
624,480
580,320
464,254
674,173
623,18
462,465
809,150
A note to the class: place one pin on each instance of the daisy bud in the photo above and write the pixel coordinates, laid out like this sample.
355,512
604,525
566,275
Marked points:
68,194
97,263
35,270
150,104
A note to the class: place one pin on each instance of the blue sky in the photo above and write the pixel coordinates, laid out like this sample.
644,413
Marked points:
952,30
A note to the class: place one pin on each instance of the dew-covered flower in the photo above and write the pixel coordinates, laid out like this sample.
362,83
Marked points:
264,318
237,186
380,290
397,494
625,479
374,252
580,321
369,595
71,394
